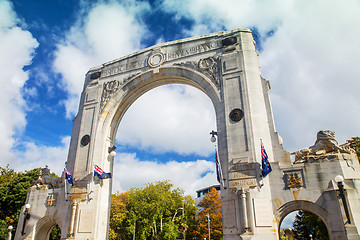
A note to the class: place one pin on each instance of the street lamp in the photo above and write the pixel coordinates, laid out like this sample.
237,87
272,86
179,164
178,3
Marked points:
213,138
111,150
27,216
9,232
340,182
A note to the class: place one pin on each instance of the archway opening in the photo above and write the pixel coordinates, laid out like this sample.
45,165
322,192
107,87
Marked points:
55,233
165,135
302,225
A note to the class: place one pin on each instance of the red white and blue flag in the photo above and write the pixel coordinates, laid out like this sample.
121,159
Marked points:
68,177
218,167
265,165
100,173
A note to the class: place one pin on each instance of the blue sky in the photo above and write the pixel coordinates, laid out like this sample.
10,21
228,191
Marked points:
308,51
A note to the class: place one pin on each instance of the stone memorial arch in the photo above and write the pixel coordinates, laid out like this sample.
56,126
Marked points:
225,66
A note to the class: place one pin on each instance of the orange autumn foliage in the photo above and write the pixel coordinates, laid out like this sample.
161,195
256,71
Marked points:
209,205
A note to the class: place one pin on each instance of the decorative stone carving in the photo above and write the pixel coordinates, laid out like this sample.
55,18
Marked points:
208,66
44,179
109,89
51,199
325,144
293,179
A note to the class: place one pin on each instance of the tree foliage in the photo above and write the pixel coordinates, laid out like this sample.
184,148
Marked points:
13,190
355,144
306,223
210,205
152,212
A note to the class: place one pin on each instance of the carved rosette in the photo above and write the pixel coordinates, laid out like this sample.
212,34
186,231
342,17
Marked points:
208,66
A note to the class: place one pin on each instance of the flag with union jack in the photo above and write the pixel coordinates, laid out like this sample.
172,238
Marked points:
68,177
100,173
265,165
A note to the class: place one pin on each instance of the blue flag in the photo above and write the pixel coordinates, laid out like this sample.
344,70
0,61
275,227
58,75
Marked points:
100,173
265,165
68,177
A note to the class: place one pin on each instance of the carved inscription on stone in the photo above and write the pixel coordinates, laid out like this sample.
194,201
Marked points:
251,182
140,61
204,47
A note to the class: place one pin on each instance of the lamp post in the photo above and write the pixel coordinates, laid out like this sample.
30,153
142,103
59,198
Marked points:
111,150
340,182
27,216
208,216
9,232
213,138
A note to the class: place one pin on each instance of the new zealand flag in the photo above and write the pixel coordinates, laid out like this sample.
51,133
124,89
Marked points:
265,165
100,173
68,177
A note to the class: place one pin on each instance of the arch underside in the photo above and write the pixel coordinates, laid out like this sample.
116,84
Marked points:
130,92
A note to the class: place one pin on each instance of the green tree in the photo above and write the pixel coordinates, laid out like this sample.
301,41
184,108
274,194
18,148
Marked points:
210,208
306,223
13,190
14,187
118,215
355,144
153,212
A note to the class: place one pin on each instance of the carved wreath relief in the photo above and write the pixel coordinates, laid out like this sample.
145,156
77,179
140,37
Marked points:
208,66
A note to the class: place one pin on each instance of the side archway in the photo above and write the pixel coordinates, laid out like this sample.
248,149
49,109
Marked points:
44,227
307,206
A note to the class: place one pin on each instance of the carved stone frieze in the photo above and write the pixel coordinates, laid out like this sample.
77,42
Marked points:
208,66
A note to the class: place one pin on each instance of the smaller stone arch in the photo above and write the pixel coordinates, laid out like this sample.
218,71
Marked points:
44,227
308,206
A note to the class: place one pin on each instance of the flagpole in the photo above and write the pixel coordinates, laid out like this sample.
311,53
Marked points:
65,180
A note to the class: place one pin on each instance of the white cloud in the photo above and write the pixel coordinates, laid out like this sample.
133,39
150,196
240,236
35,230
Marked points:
175,118
190,176
311,59
33,156
17,47
105,32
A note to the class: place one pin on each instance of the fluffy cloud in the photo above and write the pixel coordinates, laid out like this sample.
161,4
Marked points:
17,47
190,176
102,33
170,118
32,156
309,53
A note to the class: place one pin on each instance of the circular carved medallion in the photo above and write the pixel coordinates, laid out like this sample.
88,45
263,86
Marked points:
156,59
236,115
85,140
